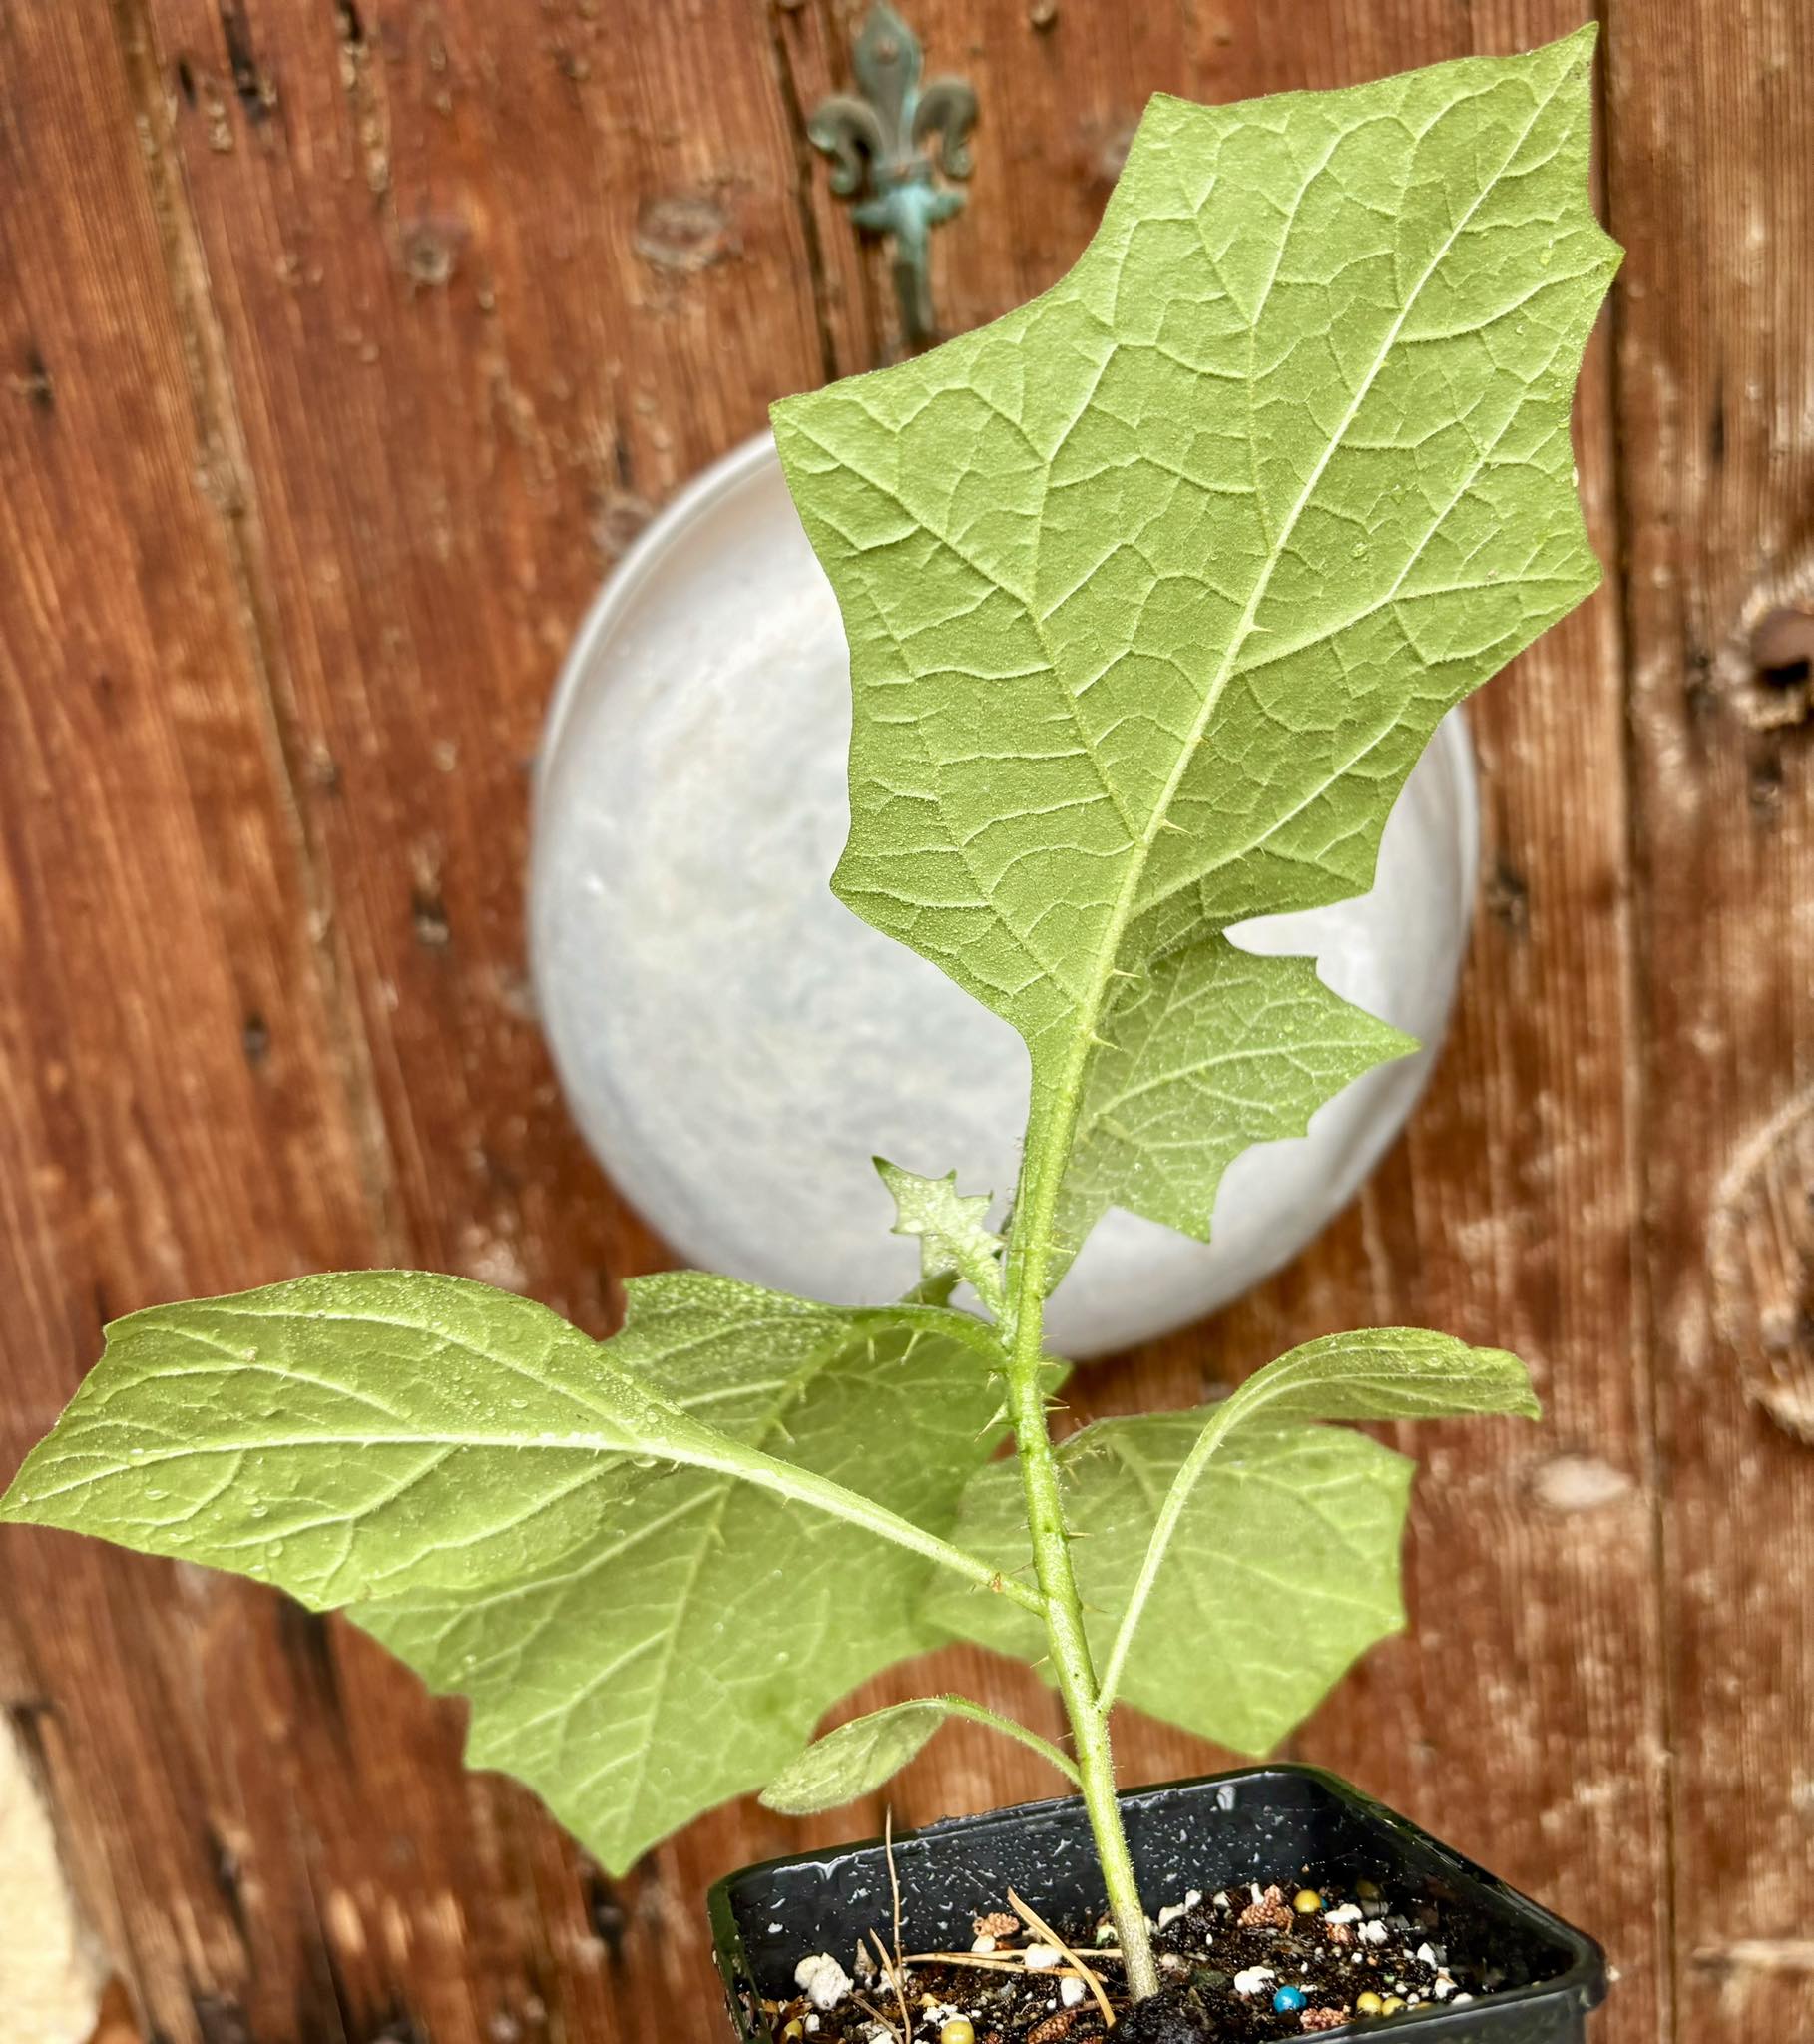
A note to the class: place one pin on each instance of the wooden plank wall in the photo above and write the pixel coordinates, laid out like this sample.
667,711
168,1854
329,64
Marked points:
346,343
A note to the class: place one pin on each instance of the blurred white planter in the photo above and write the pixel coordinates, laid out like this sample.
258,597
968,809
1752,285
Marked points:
736,1044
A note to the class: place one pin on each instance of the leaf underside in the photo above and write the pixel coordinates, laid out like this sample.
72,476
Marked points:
1210,1051
497,1498
1157,587
955,1239
1285,1569
857,1759
1283,1562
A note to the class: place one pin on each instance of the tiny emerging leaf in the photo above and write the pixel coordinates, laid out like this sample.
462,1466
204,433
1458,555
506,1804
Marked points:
954,1239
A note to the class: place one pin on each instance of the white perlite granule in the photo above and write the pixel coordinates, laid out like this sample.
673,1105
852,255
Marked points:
823,1981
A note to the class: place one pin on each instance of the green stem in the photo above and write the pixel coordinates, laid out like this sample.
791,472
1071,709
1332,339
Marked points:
1023,1343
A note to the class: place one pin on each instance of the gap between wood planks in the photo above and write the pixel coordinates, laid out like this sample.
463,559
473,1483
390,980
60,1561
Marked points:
805,169
1639,978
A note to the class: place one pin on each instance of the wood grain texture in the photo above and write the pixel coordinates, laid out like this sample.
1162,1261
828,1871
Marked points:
349,344
1716,427
173,1095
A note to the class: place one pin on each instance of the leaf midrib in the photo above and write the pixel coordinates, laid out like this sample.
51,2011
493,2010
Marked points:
1049,1137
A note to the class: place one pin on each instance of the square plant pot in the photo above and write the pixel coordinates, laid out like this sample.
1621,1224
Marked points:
1213,1834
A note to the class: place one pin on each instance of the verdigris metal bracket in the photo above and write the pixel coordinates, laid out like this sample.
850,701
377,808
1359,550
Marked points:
886,143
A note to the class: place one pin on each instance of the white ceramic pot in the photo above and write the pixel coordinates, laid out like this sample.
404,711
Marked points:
736,1044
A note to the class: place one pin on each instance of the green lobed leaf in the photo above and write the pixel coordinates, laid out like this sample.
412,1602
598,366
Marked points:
1284,1570
628,1554
1157,587
1376,1373
1206,1052
342,1433
1239,1560
955,1240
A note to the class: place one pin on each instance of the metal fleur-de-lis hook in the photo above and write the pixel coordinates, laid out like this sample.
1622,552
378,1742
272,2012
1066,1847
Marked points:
883,148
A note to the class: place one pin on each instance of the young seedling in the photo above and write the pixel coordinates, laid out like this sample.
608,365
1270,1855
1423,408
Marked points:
1155,591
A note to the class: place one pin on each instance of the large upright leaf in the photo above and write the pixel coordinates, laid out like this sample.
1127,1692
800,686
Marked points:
1157,587
629,1554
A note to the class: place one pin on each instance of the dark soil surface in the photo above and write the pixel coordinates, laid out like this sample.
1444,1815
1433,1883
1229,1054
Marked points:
1334,1958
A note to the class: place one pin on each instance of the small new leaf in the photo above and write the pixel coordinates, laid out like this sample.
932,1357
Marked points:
1207,1051
857,1759
954,1239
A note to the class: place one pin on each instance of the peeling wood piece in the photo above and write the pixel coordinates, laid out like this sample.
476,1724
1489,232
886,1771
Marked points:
49,1959
1760,1248
1758,1955
1578,1483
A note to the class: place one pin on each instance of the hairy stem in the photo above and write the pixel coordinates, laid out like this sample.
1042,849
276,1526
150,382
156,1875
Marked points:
1023,1342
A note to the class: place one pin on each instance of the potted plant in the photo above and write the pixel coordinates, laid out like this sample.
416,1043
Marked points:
1155,590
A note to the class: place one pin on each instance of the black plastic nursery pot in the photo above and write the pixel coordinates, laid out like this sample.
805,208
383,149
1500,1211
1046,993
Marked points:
1258,1824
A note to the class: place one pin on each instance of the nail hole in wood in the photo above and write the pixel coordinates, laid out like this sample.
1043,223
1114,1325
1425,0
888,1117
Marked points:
428,917
34,383
1775,657
1507,899
1782,647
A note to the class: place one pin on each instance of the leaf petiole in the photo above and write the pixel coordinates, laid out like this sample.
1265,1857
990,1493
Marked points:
1012,1728
789,1480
